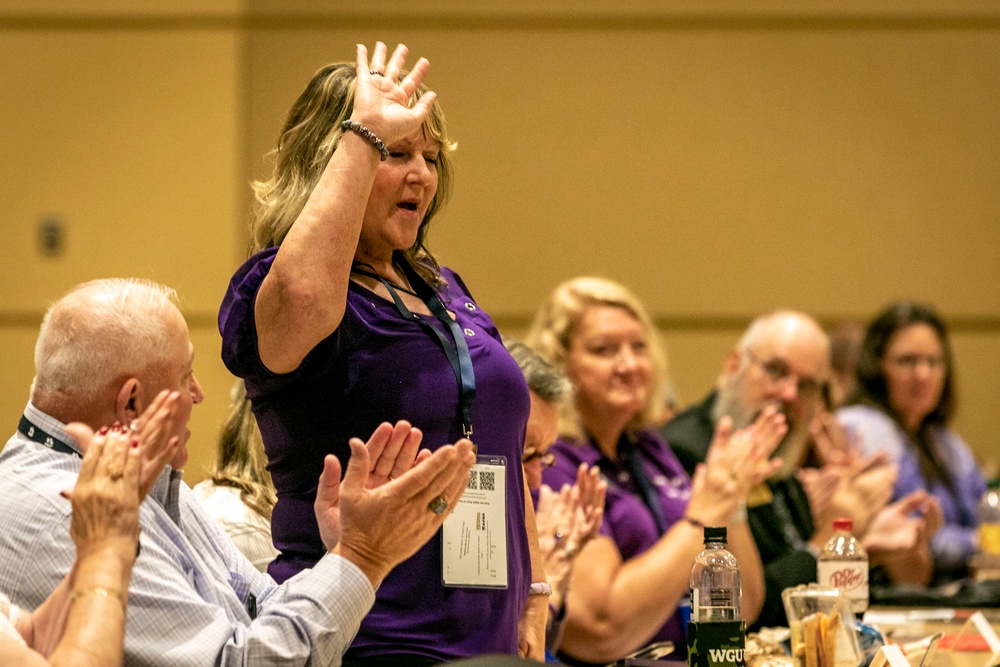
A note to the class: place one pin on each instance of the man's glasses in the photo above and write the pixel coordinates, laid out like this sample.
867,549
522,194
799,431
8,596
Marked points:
547,460
777,371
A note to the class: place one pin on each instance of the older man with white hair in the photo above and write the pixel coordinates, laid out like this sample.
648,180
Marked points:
104,351
782,360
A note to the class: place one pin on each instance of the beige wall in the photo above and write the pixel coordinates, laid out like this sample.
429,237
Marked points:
722,162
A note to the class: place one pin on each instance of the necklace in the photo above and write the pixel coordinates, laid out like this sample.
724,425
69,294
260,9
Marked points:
356,268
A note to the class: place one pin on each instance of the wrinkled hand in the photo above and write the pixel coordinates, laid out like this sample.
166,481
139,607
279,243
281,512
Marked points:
734,464
861,485
381,103
898,538
531,633
379,527
155,430
865,488
105,499
392,450
831,441
567,521
820,486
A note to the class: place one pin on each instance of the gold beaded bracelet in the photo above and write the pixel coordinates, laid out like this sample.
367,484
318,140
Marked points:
99,591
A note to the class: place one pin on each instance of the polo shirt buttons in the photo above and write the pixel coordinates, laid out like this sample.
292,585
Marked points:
470,305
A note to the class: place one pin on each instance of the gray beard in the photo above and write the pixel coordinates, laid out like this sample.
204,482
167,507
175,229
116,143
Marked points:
790,449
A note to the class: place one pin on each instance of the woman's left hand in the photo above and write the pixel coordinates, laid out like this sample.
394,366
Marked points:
382,100
106,496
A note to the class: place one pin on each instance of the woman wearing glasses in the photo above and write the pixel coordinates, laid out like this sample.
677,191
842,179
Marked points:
904,398
628,580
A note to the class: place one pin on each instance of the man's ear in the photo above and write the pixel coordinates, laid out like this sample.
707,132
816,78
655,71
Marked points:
732,363
128,403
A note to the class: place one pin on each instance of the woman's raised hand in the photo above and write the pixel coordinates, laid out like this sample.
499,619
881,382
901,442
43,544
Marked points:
381,99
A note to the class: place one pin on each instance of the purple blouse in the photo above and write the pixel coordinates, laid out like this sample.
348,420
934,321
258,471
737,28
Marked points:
956,542
378,367
627,519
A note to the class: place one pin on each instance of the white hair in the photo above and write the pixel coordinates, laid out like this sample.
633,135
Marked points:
782,321
99,331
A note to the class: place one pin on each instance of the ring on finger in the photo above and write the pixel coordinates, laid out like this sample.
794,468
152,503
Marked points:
438,505
375,72
116,475
558,537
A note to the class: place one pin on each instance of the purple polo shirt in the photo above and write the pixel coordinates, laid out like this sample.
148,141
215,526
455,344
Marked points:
378,367
627,519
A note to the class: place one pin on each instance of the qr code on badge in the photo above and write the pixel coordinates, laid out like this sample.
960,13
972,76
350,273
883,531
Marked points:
472,480
487,480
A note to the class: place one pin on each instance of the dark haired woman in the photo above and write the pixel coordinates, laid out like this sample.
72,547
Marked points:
901,406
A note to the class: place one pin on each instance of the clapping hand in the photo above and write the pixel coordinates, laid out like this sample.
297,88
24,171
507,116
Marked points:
106,496
847,483
898,537
376,527
393,450
566,521
156,432
734,464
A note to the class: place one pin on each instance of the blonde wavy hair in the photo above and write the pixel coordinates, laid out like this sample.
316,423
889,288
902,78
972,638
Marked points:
555,323
241,462
308,139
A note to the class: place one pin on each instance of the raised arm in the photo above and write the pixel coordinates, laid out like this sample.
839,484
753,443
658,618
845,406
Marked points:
303,298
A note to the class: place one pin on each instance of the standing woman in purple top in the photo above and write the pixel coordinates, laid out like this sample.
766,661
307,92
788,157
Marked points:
342,319
629,579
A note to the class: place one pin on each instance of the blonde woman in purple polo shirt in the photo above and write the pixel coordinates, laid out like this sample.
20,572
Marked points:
342,319
629,579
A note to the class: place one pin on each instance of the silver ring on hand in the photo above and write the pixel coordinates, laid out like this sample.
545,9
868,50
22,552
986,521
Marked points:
559,537
438,505
375,72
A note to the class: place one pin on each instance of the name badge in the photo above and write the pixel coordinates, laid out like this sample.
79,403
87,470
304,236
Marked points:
474,537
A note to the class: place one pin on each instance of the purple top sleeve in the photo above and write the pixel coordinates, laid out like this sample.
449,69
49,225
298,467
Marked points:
628,522
377,367
956,542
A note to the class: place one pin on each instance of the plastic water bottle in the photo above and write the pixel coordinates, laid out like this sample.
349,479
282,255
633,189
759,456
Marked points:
843,565
988,517
715,581
716,634
986,564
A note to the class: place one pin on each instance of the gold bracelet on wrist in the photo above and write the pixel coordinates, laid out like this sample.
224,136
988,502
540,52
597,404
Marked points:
99,591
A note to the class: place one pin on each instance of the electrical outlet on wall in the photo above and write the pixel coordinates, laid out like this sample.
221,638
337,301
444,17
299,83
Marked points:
51,236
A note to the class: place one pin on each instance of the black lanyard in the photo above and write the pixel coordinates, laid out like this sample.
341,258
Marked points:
34,432
628,450
457,350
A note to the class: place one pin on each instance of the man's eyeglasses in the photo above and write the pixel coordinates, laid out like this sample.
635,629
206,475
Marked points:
547,460
777,371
